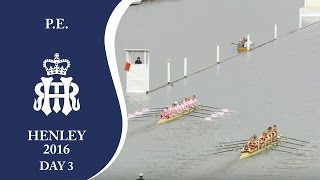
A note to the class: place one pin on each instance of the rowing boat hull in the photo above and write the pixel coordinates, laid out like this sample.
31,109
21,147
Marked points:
246,154
242,49
161,121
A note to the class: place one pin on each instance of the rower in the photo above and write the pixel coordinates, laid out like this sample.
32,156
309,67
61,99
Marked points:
165,113
140,177
248,43
180,107
241,42
190,104
175,108
185,104
254,143
269,136
171,111
274,131
194,101
263,138
274,128
246,148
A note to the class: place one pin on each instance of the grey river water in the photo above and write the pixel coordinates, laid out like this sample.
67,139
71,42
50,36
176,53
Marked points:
275,84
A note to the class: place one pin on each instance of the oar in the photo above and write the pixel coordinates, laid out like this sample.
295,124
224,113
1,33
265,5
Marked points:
225,148
294,144
141,114
152,114
209,106
217,113
221,113
209,118
194,116
205,110
227,110
288,151
288,147
225,151
234,43
202,113
296,139
148,109
153,109
136,117
214,115
226,145
205,118
233,141
146,112
156,108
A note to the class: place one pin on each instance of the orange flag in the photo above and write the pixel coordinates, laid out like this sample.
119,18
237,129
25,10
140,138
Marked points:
127,66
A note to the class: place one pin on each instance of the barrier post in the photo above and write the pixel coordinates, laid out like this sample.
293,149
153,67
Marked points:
218,54
275,31
300,23
185,67
248,39
168,71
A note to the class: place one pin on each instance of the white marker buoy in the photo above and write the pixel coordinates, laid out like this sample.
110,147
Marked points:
300,23
218,54
168,71
275,31
185,67
248,40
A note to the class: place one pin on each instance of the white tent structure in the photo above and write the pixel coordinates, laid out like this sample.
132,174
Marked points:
311,9
138,74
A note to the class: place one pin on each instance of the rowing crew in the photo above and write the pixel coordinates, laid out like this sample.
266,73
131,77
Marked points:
266,138
179,107
244,42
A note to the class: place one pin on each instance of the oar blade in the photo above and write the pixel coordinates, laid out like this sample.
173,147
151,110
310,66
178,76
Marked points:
130,116
145,109
138,113
208,119
214,115
219,152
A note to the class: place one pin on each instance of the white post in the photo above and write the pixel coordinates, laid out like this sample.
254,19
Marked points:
300,24
127,57
248,39
148,71
275,31
168,71
185,67
148,58
218,54
145,58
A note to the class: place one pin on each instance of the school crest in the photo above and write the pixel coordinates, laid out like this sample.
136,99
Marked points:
48,90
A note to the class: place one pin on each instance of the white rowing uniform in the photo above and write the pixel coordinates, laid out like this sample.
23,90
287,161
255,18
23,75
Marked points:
163,115
248,43
175,110
190,104
180,106
184,107
195,102
170,111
